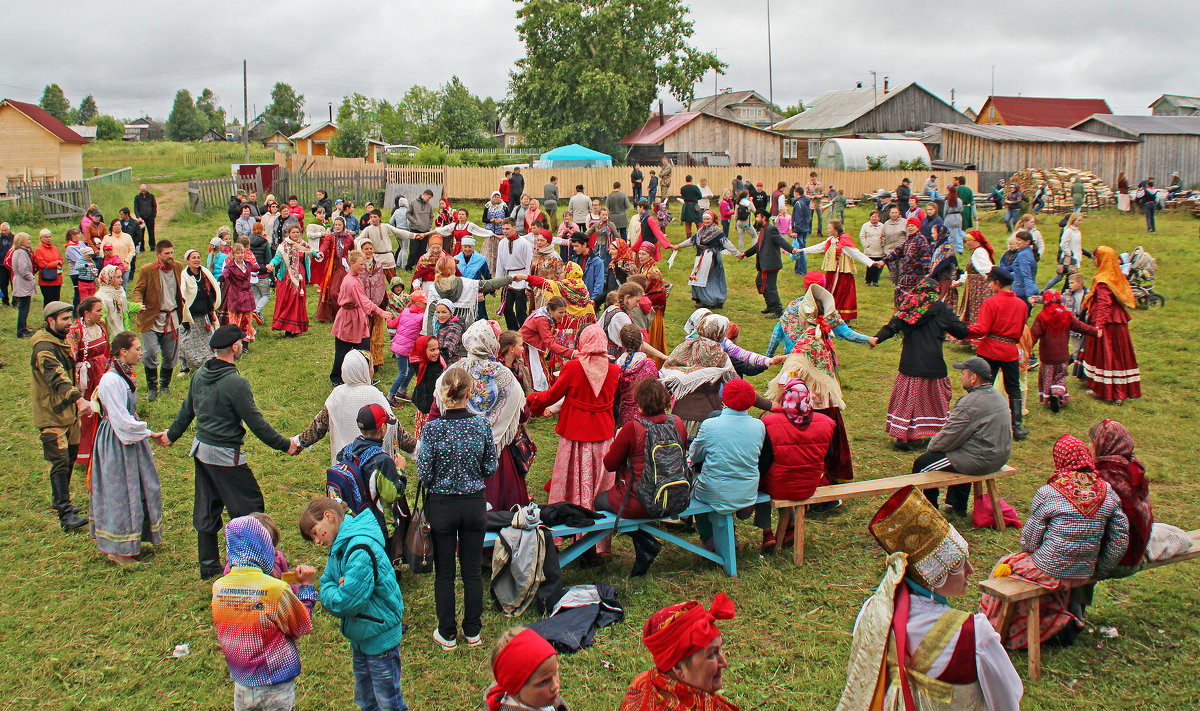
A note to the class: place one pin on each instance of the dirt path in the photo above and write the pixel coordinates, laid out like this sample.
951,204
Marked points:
172,197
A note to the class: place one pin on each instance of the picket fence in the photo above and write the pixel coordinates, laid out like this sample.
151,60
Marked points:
56,200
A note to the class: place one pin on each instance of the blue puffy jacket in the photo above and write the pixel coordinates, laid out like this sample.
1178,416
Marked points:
368,601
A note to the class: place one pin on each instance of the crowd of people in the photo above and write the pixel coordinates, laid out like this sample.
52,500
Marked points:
584,340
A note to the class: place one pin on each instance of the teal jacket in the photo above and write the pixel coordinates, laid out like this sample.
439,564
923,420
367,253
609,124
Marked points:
368,601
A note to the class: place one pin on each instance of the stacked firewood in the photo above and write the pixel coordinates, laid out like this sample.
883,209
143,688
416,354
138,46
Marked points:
1058,188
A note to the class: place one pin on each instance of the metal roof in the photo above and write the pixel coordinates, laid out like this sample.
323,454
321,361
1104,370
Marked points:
835,109
1178,100
652,133
1028,134
1142,125
722,101
310,130
1042,111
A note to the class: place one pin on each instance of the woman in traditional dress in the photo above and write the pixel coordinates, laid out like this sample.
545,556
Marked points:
497,396
547,265
125,505
201,296
1076,531
838,265
375,286
544,351
239,299
945,266
912,259
89,337
708,283
461,228
587,386
118,310
814,360
793,321
335,245
426,267
920,402
533,213
290,267
740,356
462,293
953,220
695,371
635,367
572,289
338,417
975,276
620,264
657,292
494,213
1126,474
1110,366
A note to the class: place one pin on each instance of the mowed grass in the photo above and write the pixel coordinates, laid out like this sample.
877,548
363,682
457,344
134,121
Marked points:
79,634
161,161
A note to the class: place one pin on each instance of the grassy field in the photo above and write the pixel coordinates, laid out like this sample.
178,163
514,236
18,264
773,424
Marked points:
162,161
80,634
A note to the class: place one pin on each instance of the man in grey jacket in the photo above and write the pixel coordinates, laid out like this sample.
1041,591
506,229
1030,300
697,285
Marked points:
550,202
618,206
977,439
420,220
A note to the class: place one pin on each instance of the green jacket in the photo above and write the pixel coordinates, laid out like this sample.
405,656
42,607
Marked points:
368,599
53,388
220,401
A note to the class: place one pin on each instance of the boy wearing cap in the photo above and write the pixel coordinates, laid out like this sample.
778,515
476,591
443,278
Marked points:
977,437
949,659
384,474
1000,324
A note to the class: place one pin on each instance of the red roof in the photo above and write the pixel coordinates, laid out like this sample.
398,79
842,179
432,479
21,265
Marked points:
1033,111
653,132
43,118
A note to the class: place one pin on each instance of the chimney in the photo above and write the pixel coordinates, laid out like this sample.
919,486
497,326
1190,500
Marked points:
885,85
662,118
858,85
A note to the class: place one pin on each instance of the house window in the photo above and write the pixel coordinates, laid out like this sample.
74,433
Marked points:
814,147
759,114
512,140
992,112
745,112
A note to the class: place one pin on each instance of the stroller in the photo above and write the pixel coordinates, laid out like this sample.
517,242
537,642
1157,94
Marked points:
1142,270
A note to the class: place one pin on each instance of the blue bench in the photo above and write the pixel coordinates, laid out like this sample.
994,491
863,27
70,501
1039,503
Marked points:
724,542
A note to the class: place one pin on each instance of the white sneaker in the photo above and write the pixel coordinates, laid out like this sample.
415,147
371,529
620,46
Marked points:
448,645
475,641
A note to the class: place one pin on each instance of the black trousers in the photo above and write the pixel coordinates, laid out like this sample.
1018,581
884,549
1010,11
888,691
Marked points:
765,283
62,465
416,250
516,304
873,275
50,292
340,350
6,284
224,488
457,525
958,496
149,231
22,304
1012,384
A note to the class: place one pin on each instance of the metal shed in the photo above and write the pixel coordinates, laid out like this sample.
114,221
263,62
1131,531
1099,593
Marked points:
1163,144
852,153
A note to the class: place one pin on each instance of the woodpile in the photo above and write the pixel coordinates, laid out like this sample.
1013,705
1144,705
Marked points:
1058,188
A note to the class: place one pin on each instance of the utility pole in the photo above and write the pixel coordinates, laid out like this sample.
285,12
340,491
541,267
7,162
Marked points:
951,98
245,116
770,65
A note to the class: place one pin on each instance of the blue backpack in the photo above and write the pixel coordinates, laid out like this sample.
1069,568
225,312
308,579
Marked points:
346,481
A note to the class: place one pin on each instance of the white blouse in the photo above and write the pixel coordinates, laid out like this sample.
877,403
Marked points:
113,393
852,252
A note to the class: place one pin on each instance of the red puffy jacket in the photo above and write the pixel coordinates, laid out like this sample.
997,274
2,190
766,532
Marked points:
797,455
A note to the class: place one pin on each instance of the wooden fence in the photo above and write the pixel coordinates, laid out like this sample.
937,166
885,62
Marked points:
55,200
214,193
115,175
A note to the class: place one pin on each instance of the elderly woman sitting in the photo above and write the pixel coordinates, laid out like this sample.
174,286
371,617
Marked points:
688,660
1076,531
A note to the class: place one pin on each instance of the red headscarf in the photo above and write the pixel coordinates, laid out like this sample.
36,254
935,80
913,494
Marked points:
592,353
1075,476
624,252
676,632
816,276
514,664
417,355
983,242
1054,315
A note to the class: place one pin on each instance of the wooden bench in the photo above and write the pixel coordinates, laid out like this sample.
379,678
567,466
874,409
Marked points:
724,542
874,487
1009,591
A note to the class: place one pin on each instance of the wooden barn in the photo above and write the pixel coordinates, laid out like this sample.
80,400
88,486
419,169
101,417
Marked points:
36,146
863,112
1175,105
278,141
1038,111
313,140
1163,144
1008,149
145,129
699,138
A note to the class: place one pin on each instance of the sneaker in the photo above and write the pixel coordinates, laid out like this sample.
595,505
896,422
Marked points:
768,542
824,507
475,641
404,397
448,645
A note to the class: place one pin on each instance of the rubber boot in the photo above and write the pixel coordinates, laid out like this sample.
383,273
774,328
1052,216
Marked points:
151,384
60,492
1019,432
646,548
164,380
210,556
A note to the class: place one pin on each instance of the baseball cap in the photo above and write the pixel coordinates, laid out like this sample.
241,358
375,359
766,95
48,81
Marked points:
374,417
976,365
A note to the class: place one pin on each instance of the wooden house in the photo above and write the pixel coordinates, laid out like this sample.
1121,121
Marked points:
145,129
507,134
278,141
313,140
1163,145
88,132
1175,105
863,112
212,135
1038,111
748,107
375,151
36,146
698,138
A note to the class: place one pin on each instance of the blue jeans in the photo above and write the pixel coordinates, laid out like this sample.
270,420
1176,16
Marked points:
801,241
1148,208
402,377
1011,216
1038,205
377,681
724,227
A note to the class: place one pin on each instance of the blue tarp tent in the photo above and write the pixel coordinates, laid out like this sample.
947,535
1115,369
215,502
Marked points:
573,156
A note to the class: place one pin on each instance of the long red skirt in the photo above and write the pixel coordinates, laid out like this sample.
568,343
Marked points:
579,475
919,407
845,293
1054,603
291,311
1110,367
838,467
506,488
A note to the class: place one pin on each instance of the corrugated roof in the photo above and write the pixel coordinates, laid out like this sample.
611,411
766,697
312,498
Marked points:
835,109
1154,125
310,130
43,118
1041,111
1028,134
652,133
1178,100
722,101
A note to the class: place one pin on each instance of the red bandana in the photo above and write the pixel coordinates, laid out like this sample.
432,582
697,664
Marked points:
675,633
519,659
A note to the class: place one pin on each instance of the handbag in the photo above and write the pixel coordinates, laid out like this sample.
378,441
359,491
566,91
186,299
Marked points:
49,273
418,546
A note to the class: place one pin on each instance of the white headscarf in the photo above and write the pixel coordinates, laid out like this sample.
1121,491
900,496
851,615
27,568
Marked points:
348,398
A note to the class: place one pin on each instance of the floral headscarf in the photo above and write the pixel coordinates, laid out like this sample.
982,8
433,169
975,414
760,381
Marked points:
110,276
496,394
693,321
1075,476
917,302
797,405
397,302
699,361
816,306
624,251
592,353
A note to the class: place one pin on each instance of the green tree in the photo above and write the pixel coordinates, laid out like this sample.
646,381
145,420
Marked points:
54,101
108,128
420,107
186,122
592,68
789,111
87,110
214,114
393,124
460,121
286,111
355,120
491,114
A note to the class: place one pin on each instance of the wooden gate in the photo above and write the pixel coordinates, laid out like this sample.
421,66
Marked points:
55,200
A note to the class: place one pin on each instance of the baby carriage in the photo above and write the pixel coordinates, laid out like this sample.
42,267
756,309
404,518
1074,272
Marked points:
1142,270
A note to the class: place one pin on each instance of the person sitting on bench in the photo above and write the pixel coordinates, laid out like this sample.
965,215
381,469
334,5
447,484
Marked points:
977,439
951,659
1076,532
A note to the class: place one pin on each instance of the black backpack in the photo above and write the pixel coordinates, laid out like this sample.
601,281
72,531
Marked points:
665,488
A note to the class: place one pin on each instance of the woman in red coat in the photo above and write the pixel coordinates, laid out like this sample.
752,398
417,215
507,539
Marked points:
792,463
1110,366
587,386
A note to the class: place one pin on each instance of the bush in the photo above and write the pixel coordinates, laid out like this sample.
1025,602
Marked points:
21,215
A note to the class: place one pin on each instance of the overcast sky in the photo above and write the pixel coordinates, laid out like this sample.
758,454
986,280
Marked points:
142,53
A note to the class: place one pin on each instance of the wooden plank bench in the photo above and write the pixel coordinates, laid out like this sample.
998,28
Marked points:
1009,591
724,542
874,487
